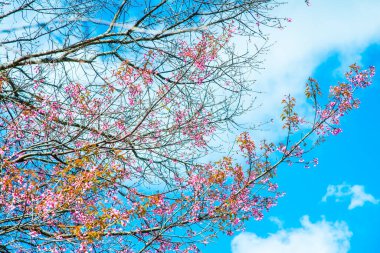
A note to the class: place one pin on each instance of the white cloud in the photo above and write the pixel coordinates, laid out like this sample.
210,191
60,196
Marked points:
345,27
355,192
319,237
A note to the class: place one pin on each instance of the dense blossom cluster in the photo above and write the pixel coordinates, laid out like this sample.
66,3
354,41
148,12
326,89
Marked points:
75,164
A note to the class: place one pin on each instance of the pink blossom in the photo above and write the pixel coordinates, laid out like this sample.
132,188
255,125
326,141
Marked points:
336,131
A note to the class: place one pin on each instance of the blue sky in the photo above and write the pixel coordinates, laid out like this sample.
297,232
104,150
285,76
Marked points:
321,42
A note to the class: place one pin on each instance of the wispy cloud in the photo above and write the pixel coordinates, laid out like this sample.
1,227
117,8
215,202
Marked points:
355,193
319,237
277,221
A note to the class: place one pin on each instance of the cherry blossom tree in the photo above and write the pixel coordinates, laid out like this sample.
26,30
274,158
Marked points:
106,108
